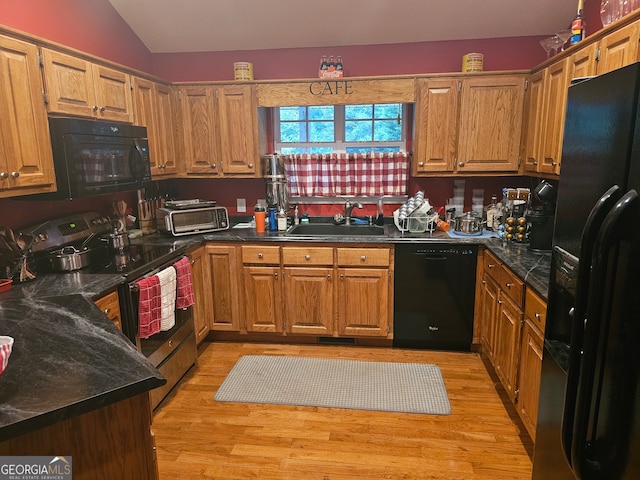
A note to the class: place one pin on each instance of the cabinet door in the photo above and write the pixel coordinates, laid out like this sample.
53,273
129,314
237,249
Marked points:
263,298
491,110
199,132
113,94
489,312
583,62
556,85
619,48
535,122
308,300
363,302
110,306
529,376
436,125
507,347
26,164
238,129
201,289
145,116
165,139
225,287
69,84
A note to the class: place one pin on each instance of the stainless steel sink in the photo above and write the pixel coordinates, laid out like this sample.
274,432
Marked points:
331,230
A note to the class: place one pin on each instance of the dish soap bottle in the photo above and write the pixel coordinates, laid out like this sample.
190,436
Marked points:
282,220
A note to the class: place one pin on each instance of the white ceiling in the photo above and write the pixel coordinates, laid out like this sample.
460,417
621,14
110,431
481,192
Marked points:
219,25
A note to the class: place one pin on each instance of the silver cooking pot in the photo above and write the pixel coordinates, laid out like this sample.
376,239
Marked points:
118,240
468,223
69,259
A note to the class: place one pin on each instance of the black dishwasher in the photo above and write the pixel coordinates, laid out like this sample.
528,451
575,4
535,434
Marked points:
434,294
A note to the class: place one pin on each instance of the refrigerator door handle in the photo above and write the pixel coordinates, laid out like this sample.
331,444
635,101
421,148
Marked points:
592,226
584,461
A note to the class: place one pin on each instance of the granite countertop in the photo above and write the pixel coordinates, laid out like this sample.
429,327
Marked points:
67,359
75,360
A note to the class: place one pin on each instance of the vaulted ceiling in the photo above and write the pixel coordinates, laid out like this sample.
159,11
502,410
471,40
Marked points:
223,25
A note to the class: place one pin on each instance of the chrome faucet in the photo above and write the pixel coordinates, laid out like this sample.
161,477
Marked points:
348,207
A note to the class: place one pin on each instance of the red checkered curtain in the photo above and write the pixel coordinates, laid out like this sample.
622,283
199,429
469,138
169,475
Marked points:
347,174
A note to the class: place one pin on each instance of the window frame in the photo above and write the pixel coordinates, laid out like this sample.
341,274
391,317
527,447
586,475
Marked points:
339,145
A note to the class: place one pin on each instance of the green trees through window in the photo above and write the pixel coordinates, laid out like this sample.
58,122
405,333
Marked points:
363,129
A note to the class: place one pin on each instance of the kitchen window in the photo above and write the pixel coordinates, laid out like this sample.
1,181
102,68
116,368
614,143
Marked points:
343,150
364,129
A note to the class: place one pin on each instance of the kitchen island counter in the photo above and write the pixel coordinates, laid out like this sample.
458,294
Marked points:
68,359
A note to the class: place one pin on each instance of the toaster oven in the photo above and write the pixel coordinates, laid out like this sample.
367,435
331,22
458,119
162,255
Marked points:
192,220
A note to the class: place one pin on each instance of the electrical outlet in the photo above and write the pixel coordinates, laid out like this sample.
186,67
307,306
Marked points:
241,205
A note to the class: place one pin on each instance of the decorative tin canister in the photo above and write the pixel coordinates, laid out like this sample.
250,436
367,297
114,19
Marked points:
472,62
243,71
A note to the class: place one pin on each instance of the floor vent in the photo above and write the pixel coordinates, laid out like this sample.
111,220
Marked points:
336,340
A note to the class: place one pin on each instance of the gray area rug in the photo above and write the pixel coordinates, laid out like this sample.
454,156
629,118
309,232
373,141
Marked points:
354,384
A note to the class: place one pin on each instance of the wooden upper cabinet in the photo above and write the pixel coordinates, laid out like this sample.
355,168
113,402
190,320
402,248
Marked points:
238,129
534,132
152,108
583,62
201,138
436,125
619,48
491,111
26,163
556,85
78,87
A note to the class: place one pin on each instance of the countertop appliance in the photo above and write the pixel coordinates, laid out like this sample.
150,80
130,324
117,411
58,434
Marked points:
589,406
188,221
434,294
94,158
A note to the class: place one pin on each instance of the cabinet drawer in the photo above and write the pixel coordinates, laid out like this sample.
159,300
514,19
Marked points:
259,254
307,256
358,257
491,266
535,309
512,286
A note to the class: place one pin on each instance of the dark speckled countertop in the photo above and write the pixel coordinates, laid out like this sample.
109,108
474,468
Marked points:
69,359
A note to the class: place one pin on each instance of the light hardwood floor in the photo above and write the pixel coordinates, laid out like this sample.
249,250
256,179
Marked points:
198,438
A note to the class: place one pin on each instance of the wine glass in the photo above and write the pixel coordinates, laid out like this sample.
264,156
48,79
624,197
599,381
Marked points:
546,44
555,42
564,35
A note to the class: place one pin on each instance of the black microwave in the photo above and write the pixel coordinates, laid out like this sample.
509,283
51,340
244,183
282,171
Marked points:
94,158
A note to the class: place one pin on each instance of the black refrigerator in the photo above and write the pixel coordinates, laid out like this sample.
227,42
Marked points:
589,406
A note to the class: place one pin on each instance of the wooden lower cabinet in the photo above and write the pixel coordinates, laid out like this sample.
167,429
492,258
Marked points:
301,289
263,298
512,321
110,306
507,343
308,300
114,441
224,285
363,302
201,316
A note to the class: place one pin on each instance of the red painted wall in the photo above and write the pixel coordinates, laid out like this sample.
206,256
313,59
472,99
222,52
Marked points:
95,27
92,26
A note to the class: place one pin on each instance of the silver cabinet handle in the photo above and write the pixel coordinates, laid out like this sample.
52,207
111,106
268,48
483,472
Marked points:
363,258
490,265
250,165
102,109
4,175
328,277
95,108
421,164
537,315
213,165
260,255
307,257
106,311
15,174
508,285
275,275
461,164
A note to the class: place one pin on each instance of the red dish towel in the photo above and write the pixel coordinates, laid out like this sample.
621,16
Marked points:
185,296
149,306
